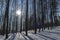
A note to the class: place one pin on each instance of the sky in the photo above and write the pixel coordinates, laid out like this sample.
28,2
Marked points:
19,2
59,7
24,3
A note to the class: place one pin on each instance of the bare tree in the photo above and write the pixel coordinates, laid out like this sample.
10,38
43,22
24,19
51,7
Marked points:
6,16
26,21
21,15
34,1
16,23
53,6
42,11
1,16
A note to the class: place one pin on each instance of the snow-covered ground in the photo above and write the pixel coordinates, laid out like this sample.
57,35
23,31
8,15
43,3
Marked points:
53,34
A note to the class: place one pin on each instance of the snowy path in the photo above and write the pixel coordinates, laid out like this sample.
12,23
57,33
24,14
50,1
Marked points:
45,35
19,37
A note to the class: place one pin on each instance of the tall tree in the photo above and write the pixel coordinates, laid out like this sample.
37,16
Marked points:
21,15
26,21
53,6
16,23
45,12
1,15
16,17
42,11
38,14
6,16
34,1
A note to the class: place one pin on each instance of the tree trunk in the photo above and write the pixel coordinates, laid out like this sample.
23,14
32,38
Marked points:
21,16
26,25
6,13
35,15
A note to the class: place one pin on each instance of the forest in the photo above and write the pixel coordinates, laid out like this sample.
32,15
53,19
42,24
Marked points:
24,15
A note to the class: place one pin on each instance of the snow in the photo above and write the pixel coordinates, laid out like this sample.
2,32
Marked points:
2,37
53,34
19,37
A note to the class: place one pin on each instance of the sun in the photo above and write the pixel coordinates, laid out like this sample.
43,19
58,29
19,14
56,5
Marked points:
18,12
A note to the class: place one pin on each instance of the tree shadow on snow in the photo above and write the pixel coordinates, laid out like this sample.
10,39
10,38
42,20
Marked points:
27,36
46,36
12,37
52,32
38,36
